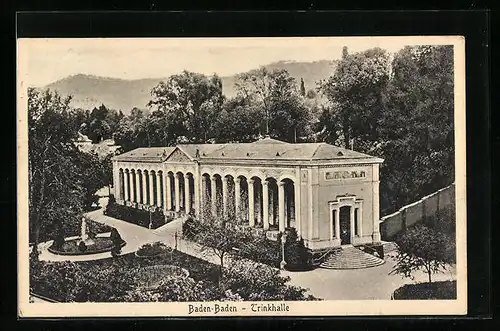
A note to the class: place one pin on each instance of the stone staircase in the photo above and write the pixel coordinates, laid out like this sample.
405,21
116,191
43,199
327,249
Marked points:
350,257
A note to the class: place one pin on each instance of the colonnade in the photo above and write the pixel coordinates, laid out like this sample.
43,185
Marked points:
170,191
262,202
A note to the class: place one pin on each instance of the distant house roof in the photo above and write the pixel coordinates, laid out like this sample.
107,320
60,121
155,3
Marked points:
265,149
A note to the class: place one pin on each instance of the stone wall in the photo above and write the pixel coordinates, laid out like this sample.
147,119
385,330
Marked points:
416,212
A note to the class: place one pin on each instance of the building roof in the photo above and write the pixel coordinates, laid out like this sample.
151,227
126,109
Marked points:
265,149
146,154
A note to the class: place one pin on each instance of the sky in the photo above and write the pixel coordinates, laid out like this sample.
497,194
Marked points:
43,61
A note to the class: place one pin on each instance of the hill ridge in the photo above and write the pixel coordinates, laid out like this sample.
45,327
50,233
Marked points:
89,90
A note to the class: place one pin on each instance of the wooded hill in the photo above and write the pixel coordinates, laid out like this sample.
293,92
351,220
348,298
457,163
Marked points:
90,91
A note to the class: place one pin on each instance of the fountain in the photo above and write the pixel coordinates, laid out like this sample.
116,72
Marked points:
84,236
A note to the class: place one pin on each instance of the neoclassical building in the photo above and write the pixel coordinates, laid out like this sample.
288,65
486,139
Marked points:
330,195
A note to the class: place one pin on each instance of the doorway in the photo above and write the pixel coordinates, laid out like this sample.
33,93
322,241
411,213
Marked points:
345,225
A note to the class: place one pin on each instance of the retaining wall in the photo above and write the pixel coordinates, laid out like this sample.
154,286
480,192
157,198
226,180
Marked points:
417,212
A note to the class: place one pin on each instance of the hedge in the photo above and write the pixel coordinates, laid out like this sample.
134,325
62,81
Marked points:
134,215
445,290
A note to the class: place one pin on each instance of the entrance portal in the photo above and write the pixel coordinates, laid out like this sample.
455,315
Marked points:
345,225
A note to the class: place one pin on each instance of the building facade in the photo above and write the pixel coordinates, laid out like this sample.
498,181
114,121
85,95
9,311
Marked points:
330,195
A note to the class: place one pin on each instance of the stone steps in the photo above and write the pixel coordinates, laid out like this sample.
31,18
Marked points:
350,257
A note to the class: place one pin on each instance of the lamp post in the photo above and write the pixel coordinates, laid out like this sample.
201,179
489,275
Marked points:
283,262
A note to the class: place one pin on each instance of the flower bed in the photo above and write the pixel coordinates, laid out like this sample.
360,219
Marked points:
446,290
73,247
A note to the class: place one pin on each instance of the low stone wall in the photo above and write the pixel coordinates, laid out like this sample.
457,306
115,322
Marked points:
416,212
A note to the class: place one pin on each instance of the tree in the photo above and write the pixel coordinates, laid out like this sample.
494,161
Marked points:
219,237
190,99
238,121
131,132
356,92
311,94
416,126
302,88
275,93
55,191
97,174
422,248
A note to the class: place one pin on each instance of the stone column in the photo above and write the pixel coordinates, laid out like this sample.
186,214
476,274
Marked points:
360,220
237,197
337,226
376,206
204,195
168,191
213,189
196,195
224,195
137,186
158,189
125,185
133,187
116,181
187,205
151,189
177,193
296,202
281,206
251,203
165,192
351,225
144,188
265,204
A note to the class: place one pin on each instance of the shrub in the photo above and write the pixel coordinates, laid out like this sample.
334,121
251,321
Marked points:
82,247
259,282
151,250
58,240
262,250
191,227
117,242
297,255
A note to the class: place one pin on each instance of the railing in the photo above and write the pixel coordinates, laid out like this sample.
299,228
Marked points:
318,261
370,250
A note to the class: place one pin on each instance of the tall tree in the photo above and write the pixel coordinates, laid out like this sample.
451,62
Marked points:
192,99
55,191
239,121
275,93
356,91
416,126
302,88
